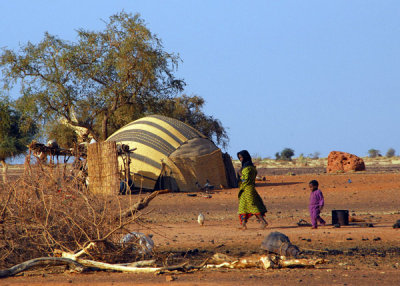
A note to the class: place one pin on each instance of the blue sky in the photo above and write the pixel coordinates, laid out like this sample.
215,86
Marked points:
314,76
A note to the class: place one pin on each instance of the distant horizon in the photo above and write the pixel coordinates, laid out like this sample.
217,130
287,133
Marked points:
20,160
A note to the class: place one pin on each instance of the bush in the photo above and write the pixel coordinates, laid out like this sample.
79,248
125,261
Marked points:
390,153
314,155
52,209
373,153
287,154
301,160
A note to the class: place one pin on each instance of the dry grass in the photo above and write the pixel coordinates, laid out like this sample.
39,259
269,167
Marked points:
321,162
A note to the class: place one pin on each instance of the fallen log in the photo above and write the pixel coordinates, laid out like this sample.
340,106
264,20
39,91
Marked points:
301,262
77,264
184,267
261,261
42,261
131,267
117,267
139,263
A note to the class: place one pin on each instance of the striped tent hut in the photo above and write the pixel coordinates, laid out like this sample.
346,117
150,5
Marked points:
170,154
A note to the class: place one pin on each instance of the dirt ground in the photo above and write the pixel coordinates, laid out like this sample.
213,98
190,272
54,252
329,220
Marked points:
357,254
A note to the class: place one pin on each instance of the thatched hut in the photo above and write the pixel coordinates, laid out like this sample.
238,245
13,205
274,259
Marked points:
171,154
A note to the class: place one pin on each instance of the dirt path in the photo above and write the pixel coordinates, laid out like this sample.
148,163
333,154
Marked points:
357,255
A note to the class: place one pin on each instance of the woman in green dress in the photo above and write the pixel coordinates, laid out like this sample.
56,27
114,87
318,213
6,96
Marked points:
250,202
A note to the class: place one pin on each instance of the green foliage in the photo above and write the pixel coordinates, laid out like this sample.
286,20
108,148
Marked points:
104,80
185,108
277,156
390,153
373,153
65,136
286,154
16,131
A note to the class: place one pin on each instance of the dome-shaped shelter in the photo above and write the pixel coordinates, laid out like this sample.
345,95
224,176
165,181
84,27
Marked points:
170,154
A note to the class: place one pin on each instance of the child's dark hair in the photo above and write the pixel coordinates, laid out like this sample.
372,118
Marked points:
314,183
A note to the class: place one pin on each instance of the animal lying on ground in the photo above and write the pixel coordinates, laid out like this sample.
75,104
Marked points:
277,242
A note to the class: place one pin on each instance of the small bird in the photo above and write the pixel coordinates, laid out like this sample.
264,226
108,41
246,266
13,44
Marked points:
200,219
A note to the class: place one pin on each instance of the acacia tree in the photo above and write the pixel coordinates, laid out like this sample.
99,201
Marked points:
390,153
373,153
286,154
85,83
16,132
185,108
188,109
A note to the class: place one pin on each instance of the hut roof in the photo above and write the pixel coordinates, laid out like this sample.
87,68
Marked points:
156,138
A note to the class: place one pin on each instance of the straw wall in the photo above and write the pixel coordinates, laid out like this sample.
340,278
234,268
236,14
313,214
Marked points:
102,161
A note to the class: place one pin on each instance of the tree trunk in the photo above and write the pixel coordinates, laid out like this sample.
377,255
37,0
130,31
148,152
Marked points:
5,167
104,131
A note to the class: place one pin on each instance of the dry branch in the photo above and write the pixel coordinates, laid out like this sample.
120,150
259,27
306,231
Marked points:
301,262
42,261
117,267
255,261
140,263
3,211
142,203
263,261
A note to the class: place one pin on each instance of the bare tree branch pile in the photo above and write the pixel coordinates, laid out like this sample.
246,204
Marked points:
52,209
218,260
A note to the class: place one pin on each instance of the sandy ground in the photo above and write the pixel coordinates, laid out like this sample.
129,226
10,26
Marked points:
357,255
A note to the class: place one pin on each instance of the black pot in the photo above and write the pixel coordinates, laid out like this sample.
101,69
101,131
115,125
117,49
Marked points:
340,217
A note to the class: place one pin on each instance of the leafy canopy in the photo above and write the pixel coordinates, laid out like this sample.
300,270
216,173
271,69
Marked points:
390,153
16,132
373,153
286,154
103,81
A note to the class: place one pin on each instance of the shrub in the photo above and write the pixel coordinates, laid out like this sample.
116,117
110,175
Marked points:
314,155
390,153
52,209
373,153
301,160
287,154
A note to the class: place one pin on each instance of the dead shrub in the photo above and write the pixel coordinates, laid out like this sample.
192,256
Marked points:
52,209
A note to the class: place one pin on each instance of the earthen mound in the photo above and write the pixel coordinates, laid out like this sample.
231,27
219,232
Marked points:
344,162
